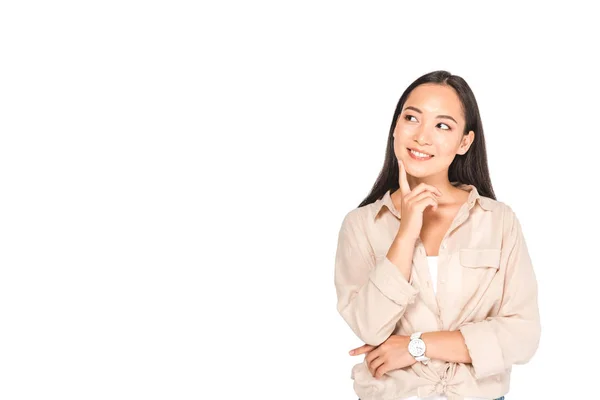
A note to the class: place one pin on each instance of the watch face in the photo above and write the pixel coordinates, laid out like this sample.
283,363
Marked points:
416,347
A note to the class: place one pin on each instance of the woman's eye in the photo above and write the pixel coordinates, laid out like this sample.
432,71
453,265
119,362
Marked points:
407,117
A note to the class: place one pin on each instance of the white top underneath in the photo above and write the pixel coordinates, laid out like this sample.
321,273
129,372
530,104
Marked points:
433,271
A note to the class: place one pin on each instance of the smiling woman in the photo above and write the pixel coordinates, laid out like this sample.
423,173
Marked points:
432,272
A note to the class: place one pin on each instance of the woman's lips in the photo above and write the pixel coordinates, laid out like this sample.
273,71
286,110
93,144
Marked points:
415,157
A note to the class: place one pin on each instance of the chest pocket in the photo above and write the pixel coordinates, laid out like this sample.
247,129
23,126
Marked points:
479,267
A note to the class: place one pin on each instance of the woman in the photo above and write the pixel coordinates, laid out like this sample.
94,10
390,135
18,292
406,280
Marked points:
432,273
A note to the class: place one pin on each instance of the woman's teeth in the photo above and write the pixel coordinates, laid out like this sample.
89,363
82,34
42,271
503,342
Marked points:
418,155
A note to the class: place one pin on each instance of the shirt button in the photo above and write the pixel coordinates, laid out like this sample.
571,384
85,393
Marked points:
443,245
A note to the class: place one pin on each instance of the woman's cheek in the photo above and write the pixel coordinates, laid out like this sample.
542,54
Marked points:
445,148
398,148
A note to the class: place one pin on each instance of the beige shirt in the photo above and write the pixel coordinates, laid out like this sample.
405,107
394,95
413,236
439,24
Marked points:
486,288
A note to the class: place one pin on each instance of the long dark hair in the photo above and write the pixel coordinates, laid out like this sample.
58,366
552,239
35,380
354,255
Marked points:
469,168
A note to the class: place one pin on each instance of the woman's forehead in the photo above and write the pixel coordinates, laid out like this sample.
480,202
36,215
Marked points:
433,98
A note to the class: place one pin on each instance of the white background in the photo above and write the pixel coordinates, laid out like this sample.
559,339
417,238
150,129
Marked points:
173,176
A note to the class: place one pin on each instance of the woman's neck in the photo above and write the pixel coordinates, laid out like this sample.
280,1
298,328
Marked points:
450,194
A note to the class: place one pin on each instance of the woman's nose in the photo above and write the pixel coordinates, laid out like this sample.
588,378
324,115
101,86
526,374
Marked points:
423,137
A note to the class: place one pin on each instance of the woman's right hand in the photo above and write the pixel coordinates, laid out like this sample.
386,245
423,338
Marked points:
414,203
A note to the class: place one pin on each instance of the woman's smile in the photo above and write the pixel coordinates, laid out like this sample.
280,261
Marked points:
418,156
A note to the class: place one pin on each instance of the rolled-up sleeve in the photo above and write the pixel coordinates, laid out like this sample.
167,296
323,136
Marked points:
372,295
512,336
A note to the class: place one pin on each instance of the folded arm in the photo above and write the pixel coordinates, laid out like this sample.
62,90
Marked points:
512,336
372,294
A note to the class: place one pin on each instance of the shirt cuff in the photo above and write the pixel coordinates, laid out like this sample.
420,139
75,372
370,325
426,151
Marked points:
391,282
484,348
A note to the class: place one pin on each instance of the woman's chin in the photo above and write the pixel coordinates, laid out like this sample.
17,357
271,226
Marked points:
418,171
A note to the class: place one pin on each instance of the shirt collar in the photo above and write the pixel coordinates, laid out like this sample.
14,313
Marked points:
484,202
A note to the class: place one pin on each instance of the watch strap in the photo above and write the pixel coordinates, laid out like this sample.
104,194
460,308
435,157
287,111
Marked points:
423,359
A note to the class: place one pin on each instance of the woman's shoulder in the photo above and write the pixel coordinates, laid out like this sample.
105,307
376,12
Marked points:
362,217
504,215
357,217
496,206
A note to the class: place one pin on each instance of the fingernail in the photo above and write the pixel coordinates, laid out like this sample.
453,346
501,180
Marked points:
351,352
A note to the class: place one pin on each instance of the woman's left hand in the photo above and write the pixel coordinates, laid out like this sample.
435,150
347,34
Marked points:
389,355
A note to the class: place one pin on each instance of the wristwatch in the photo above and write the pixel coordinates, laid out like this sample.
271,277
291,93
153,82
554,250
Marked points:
416,347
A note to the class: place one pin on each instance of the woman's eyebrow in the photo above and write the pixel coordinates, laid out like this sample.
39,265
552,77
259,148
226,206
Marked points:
439,116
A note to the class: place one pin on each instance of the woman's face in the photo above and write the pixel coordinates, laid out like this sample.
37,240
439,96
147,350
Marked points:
432,122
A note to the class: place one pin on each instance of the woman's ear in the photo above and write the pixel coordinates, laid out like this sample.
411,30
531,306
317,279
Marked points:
466,142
